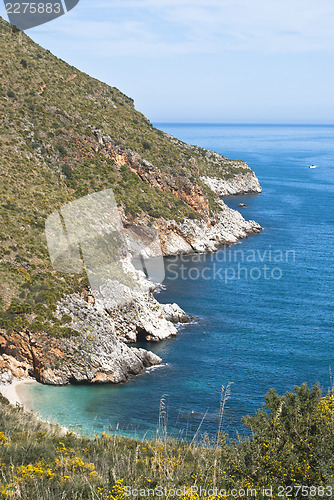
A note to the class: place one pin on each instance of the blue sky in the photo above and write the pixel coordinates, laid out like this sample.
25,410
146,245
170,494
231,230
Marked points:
228,61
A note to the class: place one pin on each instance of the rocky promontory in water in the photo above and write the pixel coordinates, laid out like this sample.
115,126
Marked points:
65,136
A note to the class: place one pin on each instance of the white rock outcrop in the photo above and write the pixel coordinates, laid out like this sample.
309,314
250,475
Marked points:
238,184
192,235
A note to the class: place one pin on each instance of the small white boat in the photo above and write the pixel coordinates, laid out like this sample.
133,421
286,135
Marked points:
313,166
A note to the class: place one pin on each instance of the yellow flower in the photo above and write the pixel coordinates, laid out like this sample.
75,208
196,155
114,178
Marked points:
4,440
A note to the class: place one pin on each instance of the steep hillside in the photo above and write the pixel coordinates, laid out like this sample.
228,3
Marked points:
65,135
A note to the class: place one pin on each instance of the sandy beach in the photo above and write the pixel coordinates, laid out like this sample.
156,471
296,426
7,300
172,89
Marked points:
16,394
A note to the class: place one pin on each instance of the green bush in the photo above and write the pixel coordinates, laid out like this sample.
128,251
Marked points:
19,308
67,171
61,149
66,318
6,321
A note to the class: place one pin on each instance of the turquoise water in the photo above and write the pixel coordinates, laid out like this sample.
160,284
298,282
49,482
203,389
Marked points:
253,328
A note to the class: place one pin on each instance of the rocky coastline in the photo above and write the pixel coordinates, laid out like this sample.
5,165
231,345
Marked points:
226,227
102,352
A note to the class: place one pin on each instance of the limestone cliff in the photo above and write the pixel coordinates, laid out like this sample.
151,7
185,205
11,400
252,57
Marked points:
207,233
238,184
226,227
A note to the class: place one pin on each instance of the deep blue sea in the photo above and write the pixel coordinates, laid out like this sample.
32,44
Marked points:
263,309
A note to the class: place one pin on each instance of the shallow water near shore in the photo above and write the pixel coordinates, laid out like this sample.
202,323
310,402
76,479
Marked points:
263,309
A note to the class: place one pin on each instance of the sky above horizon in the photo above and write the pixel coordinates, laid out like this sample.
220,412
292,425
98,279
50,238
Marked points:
224,61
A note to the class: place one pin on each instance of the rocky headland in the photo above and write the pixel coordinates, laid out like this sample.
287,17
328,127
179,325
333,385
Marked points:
246,183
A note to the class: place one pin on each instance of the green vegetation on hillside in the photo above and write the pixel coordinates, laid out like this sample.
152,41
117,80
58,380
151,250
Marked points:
50,155
291,449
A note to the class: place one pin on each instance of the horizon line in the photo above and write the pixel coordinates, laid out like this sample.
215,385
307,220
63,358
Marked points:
244,123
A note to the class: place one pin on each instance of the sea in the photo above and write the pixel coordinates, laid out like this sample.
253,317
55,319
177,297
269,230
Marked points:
262,310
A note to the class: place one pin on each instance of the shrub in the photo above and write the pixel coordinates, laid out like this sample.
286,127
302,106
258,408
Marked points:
6,321
292,437
40,308
146,145
66,318
61,149
67,171
19,308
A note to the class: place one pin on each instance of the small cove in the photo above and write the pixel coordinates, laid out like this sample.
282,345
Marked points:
250,331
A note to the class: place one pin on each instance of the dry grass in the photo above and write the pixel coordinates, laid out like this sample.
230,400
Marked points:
292,444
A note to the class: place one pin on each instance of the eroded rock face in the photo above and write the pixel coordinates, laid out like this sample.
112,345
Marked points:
141,319
191,193
209,232
147,317
16,358
6,377
100,353
92,357
238,184
97,355
174,313
227,227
